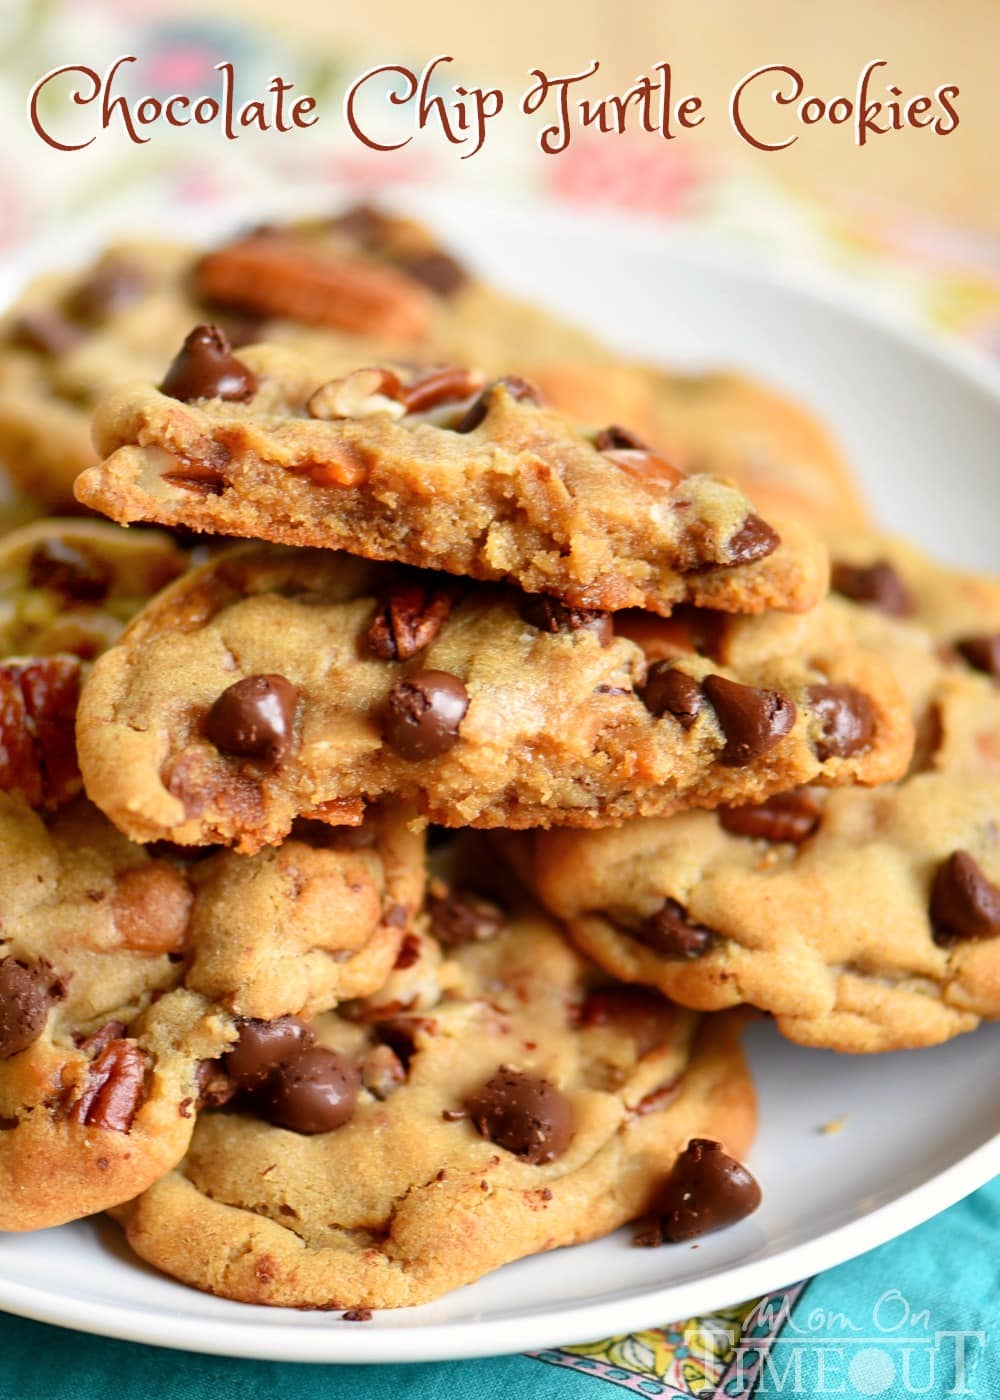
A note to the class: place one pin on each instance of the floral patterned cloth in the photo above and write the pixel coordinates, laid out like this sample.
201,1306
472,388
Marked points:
945,278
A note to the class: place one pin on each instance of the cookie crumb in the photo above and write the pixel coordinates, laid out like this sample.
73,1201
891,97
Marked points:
357,1315
835,1125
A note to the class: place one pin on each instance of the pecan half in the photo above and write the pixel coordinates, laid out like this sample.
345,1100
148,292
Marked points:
38,701
279,274
115,1089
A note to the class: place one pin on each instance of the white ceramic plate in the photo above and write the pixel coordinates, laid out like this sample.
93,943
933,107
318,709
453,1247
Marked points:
920,1130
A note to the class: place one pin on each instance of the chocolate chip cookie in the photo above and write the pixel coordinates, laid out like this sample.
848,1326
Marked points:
863,920
272,684
375,1161
125,972
435,468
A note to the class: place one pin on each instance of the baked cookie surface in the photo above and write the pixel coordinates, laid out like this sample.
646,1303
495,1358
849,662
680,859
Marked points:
529,1105
123,974
864,920
272,684
437,469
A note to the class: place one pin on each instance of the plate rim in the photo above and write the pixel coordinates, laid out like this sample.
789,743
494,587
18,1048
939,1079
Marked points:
573,1322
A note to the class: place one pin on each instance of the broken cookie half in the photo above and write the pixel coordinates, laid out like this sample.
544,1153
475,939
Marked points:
439,469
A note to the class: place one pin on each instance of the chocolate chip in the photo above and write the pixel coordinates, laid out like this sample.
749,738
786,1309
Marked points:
314,1093
253,718
45,333
668,691
964,903
463,917
24,1006
848,720
113,286
618,439
263,1045
70,570
755,539
789,816
672,934
550,615
751,720
524,1114
206,368
706,1190
424,714
436,270
408,619
874,585
638,1012
982,652
519,389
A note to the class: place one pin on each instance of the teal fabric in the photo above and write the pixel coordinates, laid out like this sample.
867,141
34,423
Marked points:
889,1324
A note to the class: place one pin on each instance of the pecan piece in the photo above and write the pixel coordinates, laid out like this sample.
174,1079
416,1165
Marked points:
38,701
115,1089
152,906
280,274
407,620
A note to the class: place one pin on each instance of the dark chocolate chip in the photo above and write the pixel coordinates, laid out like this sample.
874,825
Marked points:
669,691
253,718
615,438
24,1006
789,816
463,917
550,615
69,570
672,934
424,714
45,333
263,1045
982,652
755,539
110,288
524,1114
638,1012
519,389
875,585
437,270
848,720
751,720
314,1093
366,225
206,368
706,1190
964,903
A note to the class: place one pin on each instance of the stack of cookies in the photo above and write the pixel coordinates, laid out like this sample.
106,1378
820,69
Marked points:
397,907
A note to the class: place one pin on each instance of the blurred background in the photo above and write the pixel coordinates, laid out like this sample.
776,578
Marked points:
912,218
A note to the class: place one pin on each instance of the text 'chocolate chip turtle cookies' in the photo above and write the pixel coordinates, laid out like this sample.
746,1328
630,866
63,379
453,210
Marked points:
393,1154
272,684
864,920
439,469
125,974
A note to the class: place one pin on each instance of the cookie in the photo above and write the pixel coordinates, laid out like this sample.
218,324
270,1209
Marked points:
363,280
123,972
272,684
437,469
66,590
534,1105
863,920
725,425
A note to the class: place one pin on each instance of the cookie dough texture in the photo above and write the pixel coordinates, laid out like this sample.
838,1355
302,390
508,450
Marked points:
407,1200
554,731
146,961
522,496
832,933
